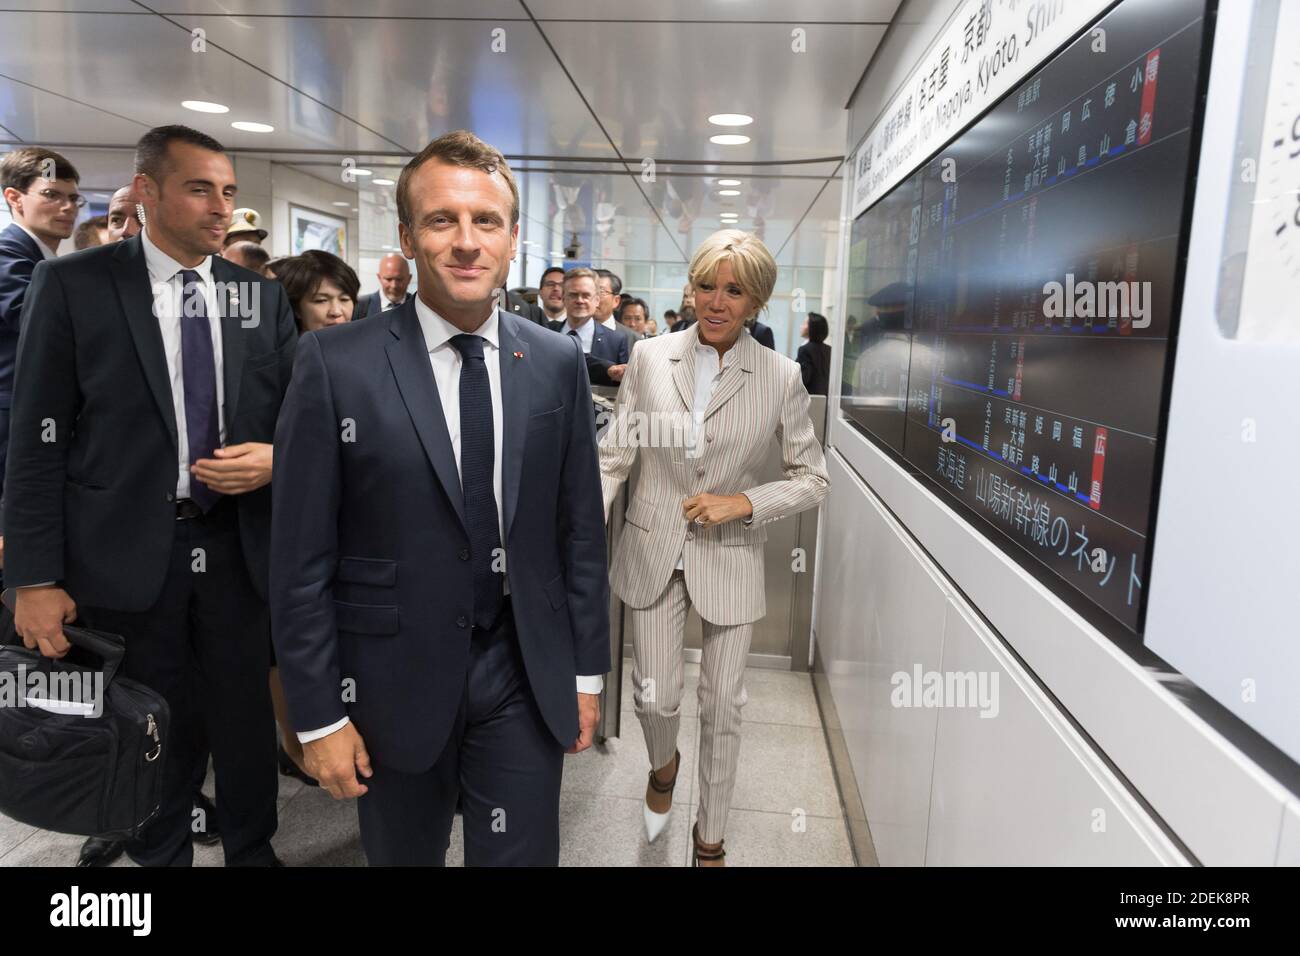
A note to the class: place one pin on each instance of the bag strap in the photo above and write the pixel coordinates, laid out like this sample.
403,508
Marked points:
109,648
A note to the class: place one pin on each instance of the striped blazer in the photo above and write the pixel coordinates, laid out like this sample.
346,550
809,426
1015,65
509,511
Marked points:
760,396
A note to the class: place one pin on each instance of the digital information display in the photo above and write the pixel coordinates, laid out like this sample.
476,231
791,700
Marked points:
1011,304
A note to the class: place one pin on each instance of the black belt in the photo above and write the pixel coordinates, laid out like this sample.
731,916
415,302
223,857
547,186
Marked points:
187,509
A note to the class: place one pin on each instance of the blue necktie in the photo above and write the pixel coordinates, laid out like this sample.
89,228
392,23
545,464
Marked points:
199,370
477,457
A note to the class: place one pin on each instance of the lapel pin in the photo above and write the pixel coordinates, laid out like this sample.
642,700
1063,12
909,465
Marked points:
519,355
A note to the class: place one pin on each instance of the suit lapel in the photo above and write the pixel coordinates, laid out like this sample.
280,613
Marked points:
735,375
131,276
516,403
409,358
684,367
233,345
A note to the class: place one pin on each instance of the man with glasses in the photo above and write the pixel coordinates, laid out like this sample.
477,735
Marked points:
609,304
607,351
550,295
40,188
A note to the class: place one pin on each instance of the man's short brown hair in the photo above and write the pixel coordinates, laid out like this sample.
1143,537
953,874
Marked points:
24,166
582,272
458,148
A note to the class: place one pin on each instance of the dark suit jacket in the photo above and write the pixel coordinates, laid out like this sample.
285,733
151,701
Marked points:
815,365
95,509
763,335
525,309
371,578
19,254
372,303
614,349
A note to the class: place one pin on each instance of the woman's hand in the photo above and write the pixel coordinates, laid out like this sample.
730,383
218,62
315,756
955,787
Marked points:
709,510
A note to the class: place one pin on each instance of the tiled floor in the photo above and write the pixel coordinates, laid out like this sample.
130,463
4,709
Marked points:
785,810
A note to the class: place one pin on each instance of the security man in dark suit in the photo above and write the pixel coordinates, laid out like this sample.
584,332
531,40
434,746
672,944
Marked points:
439,593
150,375
394,279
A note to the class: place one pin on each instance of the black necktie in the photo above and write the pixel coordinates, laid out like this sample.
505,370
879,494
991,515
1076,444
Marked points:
199,370
477,457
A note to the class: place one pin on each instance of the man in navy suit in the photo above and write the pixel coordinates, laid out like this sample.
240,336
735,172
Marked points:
394,279
607,350
763,334
434,466
44,209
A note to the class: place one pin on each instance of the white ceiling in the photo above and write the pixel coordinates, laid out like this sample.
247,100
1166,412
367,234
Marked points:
579,87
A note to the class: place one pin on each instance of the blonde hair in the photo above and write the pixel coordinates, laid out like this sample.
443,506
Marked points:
752,264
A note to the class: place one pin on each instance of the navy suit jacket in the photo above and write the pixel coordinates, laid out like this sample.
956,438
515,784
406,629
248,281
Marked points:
610,345
96,509
371,579
372,303
763,335
19,254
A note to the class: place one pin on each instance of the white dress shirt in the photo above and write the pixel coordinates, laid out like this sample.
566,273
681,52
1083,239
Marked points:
586,332
46,251
610,323
445,360
165,281
708,372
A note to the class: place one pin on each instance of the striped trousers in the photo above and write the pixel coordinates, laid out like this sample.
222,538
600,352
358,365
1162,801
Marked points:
658,679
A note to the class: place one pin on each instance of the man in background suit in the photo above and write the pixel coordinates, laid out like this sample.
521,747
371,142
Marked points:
762,334
608,305
123,216
516,303
40,188
158,368
607,350
433,468
394,278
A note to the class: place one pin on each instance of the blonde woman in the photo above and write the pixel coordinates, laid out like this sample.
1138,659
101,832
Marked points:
699,408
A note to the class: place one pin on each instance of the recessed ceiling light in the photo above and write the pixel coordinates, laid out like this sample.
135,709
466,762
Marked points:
252,127
730,119
728,182
728,192
383,182
729,139
337,203
355,209
358,171
385,247
203,106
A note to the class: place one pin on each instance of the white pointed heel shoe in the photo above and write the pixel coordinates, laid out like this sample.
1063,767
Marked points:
655,822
